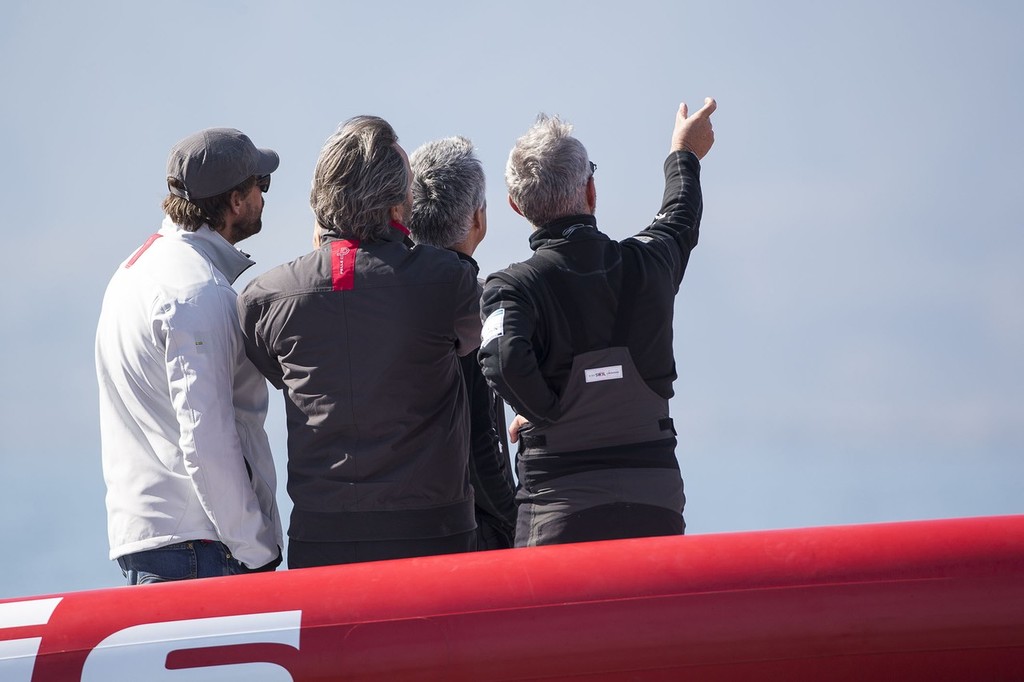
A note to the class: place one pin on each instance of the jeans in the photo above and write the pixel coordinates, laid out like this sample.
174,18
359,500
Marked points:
181,561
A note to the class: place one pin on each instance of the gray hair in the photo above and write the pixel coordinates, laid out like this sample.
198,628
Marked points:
447,190
359,176
547,172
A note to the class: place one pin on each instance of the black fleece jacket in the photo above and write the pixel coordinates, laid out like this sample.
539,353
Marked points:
529,340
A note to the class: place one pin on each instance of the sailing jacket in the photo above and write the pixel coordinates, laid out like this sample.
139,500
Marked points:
490,472
185,456
578,339
530,340
364,339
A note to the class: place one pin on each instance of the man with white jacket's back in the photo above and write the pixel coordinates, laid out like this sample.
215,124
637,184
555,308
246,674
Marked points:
189,473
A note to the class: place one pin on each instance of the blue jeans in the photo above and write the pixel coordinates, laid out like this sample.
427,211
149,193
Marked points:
181,561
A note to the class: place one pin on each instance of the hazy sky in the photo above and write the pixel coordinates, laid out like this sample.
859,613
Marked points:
848,333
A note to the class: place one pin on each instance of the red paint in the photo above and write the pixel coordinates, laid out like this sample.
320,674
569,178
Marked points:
927,600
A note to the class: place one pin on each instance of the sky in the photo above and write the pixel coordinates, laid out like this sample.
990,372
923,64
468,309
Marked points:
849,331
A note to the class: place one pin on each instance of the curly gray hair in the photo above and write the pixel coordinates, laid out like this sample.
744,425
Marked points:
547,172
447,190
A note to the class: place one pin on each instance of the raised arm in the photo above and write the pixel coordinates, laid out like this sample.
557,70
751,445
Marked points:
675,229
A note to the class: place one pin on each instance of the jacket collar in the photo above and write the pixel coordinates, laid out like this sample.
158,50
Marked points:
229,261
399,233
468,259
569,228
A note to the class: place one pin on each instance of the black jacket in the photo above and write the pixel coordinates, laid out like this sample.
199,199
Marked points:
490,471
529,341
365,339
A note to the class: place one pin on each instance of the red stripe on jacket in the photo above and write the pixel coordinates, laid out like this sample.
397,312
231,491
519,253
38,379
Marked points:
343,263
142,249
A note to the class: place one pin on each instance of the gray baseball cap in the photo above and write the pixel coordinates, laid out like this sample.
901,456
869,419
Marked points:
214,160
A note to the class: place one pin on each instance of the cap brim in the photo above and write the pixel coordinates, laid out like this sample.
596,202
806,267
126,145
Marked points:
268,162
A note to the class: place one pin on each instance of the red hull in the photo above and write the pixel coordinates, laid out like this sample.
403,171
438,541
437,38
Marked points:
929,600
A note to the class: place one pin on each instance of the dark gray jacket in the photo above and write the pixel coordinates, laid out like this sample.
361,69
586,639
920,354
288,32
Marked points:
527,355
578,339
489,468
365,340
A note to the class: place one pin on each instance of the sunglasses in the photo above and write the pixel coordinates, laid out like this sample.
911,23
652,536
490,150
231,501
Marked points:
263,182
593,167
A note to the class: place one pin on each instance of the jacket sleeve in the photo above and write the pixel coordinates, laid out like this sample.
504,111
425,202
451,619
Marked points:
202,346
674,232
507,356
467,311
257,346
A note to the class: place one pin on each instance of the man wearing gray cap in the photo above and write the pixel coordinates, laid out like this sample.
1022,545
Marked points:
189,474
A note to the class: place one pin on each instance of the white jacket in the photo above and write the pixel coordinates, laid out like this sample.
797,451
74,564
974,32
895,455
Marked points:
181,405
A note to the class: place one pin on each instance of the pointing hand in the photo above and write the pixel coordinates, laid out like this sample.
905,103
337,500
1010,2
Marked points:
694,133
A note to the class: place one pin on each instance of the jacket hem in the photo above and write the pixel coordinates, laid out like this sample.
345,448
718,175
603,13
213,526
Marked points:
404,524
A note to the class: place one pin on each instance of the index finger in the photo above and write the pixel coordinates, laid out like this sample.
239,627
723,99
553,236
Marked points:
709,107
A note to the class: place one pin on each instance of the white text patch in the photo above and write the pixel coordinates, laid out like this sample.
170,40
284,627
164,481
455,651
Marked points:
494,326
603,373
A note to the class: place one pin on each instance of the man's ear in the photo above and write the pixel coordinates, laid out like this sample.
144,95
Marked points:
478,229
396,213
235,201
591,194
514,206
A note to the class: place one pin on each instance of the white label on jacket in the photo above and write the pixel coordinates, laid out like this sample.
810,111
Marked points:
494,326
603,373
